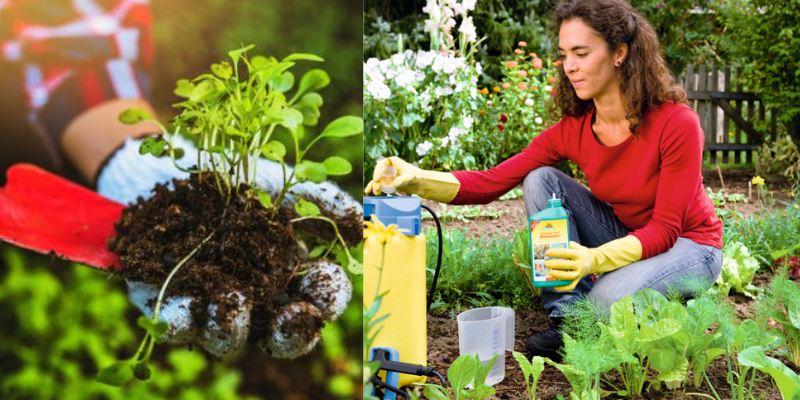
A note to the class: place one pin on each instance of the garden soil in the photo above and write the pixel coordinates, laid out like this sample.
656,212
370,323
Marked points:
247,251
443,350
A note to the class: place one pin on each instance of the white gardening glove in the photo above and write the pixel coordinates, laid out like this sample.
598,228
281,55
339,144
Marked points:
129,175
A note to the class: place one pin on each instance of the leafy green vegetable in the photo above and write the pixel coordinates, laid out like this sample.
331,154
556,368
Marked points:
530,369
788,381
738,270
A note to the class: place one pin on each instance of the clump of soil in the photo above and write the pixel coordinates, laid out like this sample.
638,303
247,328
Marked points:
250,252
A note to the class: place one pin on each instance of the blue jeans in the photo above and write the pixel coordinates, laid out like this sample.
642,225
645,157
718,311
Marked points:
592,223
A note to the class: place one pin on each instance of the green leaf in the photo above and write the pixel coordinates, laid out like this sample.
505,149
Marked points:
292,118
222,70
317,251
679,371
155,146
202,91
309,105
461,372
344,127
313,81
659,330
184,88
156,329
311,171
235,55
662,360
265,199
524,365
306,208
788,382
117,374
274,150
483,370
336,165
283,82
133,116
304,57
434,393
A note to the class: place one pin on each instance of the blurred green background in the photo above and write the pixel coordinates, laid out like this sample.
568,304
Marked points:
62,322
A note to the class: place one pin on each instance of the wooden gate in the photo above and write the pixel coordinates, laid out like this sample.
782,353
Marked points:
717,105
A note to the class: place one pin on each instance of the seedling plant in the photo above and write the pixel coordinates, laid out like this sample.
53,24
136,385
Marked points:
232,115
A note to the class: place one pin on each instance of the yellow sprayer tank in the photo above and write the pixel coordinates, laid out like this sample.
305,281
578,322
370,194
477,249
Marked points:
403,276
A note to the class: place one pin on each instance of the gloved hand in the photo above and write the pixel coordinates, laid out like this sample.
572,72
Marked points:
127,175
583,261
431,185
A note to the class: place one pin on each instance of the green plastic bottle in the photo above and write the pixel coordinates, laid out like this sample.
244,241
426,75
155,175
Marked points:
549,230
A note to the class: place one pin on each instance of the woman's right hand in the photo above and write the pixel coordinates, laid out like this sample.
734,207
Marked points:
433,185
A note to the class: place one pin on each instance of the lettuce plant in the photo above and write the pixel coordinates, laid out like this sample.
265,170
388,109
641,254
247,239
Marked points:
738,270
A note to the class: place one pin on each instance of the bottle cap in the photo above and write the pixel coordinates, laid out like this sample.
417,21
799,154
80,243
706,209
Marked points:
554,202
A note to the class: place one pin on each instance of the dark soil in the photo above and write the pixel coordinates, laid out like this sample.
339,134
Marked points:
248,252
443,350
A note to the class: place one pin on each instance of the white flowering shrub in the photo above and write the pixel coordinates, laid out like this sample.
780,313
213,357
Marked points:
421,106
426,106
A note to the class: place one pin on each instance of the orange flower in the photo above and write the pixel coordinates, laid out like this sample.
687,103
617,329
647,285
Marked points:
518,51
532,55
523,86
511,64
534,87
484,91
551,79
523,73
482,112
496,89
522,44
506,85
537,63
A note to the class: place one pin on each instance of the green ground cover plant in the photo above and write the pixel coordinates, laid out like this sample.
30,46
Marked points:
781,302
63,324
773,229
464,213
476,272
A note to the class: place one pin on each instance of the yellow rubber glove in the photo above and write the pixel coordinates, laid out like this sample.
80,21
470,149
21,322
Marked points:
584,261
432,185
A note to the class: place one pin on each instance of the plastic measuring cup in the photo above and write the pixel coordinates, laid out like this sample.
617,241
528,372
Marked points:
487,331
387,177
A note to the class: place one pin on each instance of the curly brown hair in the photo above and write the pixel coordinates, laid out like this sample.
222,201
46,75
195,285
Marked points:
645,79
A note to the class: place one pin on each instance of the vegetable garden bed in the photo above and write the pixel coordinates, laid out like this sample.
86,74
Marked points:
443,350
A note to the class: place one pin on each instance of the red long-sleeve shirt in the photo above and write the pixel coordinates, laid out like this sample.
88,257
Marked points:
653,183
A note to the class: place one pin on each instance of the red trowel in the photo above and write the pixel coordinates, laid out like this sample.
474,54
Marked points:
49,214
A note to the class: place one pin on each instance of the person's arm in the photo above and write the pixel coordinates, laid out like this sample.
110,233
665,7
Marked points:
681,149
547,149
91,138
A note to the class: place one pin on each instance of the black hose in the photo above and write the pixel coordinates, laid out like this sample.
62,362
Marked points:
438,257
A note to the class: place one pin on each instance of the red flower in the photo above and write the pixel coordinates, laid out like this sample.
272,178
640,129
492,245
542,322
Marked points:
501,127
553,93
511,64
551,79
537,63
523,86
503,118
558,63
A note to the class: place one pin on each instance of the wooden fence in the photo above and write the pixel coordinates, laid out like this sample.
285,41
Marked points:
724,113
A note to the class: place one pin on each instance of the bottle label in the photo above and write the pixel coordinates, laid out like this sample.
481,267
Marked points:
546,235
